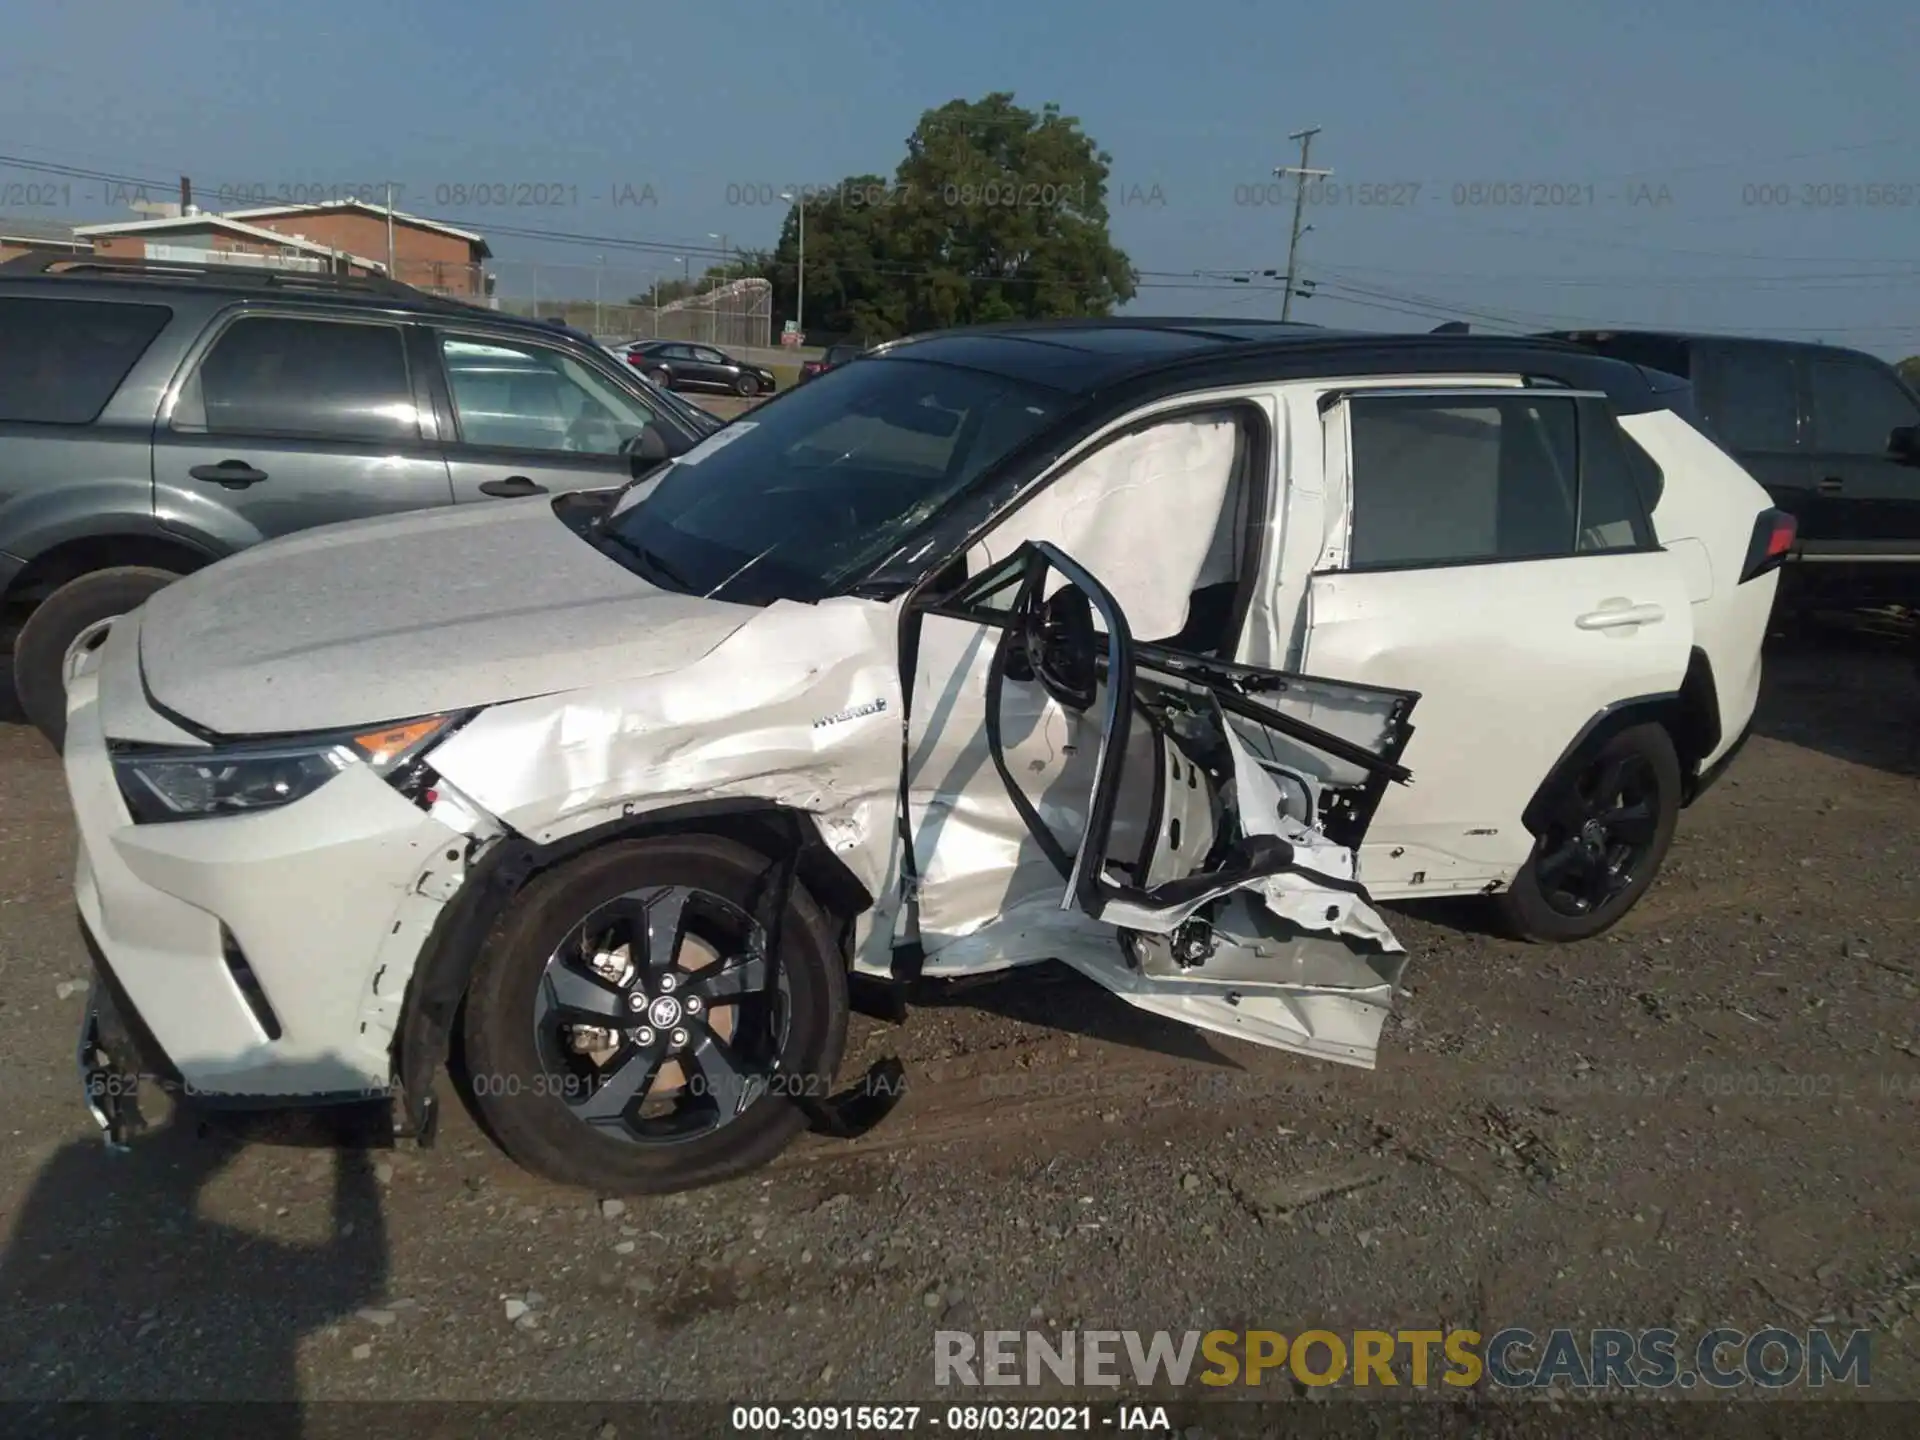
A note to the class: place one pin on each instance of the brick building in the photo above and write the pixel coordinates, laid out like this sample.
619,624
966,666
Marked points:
198,238
426,253
35,237
350,237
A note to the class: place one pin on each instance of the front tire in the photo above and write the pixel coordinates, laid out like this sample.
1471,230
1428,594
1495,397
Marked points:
746,387
1609,828
74,617
623,1032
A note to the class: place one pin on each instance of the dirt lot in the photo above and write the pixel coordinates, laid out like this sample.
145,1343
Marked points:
726,407
1705,1117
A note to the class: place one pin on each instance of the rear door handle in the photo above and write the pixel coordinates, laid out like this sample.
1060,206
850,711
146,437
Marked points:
511,487
1620,617
1831,485
234,474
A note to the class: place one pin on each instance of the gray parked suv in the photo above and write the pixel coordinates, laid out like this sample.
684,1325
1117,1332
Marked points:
156,417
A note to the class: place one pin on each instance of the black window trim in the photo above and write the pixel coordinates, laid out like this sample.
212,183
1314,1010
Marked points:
1585,403
216,330
454,441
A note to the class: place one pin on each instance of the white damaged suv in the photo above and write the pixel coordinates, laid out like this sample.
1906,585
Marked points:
1162,648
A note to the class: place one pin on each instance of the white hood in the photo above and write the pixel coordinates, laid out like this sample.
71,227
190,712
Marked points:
409,615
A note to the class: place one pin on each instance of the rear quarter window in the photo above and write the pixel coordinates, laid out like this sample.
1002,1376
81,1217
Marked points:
62,360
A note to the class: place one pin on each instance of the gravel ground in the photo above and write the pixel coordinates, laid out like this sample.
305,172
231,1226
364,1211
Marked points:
1705,1117
727,407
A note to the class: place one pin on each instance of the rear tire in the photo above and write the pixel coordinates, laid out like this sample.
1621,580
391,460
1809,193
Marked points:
662,378
71,614
526,1098
1630,791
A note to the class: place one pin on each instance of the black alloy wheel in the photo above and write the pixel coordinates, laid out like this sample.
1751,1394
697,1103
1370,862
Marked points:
660,1015
1606,832
627,1030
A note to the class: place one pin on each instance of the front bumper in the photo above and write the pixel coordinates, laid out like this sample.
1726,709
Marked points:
263,957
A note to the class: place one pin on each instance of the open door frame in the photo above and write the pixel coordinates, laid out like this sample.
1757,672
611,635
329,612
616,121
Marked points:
1032,625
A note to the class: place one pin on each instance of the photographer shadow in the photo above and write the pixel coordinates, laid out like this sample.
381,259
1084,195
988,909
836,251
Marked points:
120,1286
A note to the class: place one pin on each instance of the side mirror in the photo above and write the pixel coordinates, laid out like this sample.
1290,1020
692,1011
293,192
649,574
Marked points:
1063,647
647,449
1904,444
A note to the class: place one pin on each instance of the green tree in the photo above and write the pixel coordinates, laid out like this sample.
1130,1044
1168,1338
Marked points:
1909,369
995,213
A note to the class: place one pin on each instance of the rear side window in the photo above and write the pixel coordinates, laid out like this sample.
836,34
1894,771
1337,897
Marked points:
1612,513
1855,406
61,360
270,375
1447,481
1752,401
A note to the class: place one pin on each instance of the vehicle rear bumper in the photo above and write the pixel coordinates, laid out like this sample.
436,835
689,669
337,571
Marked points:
1710,776
1838,574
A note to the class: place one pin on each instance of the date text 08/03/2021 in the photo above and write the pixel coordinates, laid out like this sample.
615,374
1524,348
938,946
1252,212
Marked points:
956,1419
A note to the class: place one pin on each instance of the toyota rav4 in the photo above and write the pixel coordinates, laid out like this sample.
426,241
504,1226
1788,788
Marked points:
1160,648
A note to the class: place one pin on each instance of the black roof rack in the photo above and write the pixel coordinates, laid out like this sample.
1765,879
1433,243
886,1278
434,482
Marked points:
133,268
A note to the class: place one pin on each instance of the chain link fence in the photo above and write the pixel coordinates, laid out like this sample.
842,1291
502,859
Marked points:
732,314
607,301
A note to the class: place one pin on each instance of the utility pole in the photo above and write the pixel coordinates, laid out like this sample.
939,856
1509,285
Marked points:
390,274
1301,175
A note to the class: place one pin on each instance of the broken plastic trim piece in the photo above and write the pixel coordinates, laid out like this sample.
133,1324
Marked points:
860,1107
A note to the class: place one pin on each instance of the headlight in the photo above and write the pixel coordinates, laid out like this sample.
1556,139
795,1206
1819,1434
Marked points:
170,784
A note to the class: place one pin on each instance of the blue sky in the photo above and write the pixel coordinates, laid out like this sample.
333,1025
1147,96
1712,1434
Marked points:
1694,162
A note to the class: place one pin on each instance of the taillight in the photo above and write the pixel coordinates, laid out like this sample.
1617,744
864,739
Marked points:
1773,535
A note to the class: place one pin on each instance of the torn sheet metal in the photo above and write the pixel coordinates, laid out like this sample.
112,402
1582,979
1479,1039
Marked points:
1301,895
1331,1021
800,706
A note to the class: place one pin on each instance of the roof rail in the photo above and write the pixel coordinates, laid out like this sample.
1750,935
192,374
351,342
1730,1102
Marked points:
134,268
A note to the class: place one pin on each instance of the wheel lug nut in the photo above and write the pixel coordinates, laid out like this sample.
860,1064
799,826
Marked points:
693,1004
643,1036
679,1039
668,984
636,1001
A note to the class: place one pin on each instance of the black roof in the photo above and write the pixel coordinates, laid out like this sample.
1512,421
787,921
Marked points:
1084,356
1600,335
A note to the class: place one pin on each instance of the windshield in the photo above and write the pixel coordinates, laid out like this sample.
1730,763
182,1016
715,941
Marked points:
802,496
